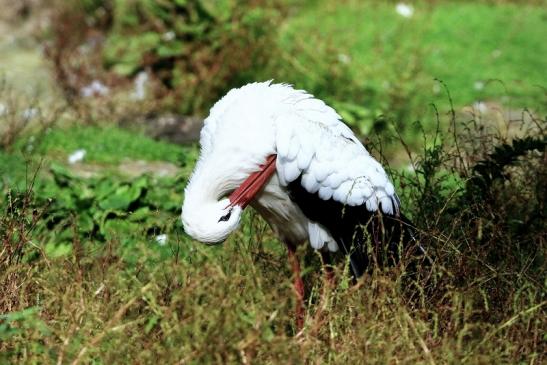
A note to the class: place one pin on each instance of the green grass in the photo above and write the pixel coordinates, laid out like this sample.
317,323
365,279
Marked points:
394,60
84,279
106,145
107,149
12,169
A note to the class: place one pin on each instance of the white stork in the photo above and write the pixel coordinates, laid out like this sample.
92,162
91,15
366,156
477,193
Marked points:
290,157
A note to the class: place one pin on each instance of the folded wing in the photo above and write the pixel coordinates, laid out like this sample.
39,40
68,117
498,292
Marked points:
331,162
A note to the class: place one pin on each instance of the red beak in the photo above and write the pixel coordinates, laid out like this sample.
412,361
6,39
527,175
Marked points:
243,195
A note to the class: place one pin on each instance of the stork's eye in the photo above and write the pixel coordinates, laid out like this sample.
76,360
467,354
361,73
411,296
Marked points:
224,218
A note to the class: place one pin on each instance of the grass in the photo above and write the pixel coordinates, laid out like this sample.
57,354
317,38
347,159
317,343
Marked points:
108,145
109,151
85,279
76,295
364,52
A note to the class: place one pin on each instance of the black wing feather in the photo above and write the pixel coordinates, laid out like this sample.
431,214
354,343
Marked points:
355,229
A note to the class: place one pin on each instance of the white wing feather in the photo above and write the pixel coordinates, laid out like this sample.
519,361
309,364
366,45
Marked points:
332,162
319,237
310,141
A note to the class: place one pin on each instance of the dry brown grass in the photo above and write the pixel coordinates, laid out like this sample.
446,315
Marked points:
482,301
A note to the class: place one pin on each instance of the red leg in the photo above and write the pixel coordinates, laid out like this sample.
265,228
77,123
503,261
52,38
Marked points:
298,286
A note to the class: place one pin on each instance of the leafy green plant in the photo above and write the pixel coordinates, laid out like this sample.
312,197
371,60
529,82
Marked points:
103,208
197,49
14,323
23,325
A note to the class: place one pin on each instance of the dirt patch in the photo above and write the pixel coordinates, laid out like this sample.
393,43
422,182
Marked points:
508,123
155,168
129,168
168,127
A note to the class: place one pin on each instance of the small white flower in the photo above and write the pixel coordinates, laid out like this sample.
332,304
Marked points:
76,156
404,10
29,113
96,88
480,107
496,53
344,58
168,36
478,85
140,86
161,239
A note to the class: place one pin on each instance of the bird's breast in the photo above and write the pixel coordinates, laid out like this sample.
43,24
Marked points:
282,214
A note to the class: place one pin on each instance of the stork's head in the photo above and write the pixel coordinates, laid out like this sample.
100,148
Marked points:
236,141
210,222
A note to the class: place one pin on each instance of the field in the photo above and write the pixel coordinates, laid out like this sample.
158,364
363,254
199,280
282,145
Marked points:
95,266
